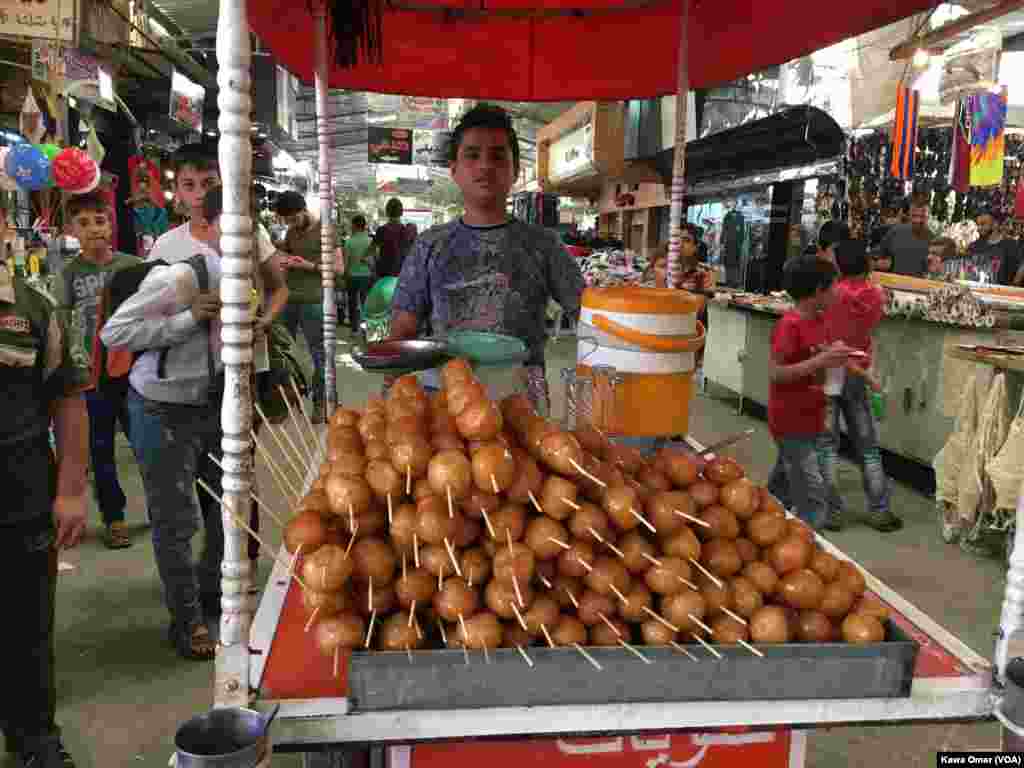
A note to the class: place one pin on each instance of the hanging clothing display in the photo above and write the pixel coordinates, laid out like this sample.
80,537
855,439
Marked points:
960,155
988,138
904,134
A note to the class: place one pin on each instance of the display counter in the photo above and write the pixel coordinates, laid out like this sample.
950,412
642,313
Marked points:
921,381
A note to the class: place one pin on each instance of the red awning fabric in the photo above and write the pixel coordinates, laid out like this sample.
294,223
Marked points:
626,54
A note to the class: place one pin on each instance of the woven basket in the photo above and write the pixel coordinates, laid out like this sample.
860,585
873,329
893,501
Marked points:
948,460
1006,470
975,494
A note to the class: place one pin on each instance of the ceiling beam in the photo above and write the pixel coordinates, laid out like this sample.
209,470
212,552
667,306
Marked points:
907,48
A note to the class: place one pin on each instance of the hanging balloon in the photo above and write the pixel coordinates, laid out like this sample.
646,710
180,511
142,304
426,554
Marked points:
50,150
28,166
75,171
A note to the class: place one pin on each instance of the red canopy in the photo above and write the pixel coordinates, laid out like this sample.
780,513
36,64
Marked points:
605,55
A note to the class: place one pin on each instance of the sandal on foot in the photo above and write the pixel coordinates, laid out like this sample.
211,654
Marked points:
116,536
195,644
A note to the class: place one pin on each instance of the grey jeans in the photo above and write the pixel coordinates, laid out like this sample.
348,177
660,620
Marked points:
797,478
171,444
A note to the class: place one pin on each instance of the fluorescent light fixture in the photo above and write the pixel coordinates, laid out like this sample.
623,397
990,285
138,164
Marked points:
382,118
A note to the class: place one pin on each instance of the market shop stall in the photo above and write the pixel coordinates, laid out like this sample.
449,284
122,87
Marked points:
921,383
260,658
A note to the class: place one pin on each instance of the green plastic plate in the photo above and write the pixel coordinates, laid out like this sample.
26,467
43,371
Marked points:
482,348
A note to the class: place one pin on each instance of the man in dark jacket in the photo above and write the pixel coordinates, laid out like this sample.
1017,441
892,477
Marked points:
393,241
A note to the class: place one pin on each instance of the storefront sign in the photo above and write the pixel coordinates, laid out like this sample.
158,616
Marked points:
572,153
430,148
389,145
51,19
187,100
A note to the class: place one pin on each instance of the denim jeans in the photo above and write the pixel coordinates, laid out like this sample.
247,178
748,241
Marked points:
310,318
105,412
29,561
797,479
171,443
855,406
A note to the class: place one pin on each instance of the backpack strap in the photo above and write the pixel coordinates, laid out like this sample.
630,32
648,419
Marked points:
198,264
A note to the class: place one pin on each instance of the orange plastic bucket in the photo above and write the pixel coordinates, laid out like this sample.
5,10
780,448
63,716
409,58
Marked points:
651,337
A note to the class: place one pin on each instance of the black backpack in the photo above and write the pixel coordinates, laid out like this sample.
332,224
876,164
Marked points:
112,365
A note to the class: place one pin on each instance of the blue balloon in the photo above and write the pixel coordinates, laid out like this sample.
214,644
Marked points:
28,166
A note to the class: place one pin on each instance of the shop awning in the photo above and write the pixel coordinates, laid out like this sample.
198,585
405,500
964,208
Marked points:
559,50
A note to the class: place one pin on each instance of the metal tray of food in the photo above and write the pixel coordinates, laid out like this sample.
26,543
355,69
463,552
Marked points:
563,676
407,355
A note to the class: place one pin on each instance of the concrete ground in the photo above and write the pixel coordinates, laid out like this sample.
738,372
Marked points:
122,691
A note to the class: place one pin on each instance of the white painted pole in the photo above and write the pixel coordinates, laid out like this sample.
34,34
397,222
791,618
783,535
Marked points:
231,686
327,244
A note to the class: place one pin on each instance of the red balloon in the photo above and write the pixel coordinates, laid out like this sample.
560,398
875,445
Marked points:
74,170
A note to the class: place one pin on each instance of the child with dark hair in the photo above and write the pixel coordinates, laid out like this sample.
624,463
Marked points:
796,396
856,310
78,295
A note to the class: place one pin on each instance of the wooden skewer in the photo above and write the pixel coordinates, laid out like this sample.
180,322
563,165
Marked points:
295,559
536,504
408,480
700,624
412,612
508,538
245,526
519,594
390,510
582,471
571,504
312,618
707,647
298,425
586,566
302,407
440,580
369,630
465,653
487,520
714,579
682,650
405,574
487,656
618,594
572,598
588,657
749,647
416,626
416,549
281,480
652,560
692,519
734,616
544,581
525,655
608,544
519,616
635,652
494,484
547,635
451,507
255,498
444,635
643,521
408,653
465,632
562,544
336,662
292,453
660,619
688,583
451,556
352,520
323,577
351,541
369,596
611,626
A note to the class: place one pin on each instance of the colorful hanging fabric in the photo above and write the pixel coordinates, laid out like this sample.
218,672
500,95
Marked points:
988,138
904,135
960,154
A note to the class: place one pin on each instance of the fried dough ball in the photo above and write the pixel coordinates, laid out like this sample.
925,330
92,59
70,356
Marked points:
327,569
494,468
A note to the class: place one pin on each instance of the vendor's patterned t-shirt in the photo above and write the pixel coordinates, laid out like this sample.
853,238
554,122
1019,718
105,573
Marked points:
496,279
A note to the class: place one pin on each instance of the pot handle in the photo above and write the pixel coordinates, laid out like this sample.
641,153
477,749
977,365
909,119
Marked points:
649,340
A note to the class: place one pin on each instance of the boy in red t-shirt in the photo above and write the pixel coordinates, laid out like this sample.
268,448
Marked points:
796,396
856,310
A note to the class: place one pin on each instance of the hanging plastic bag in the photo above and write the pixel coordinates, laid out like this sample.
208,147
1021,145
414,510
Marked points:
948,460
1006,470
975,493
